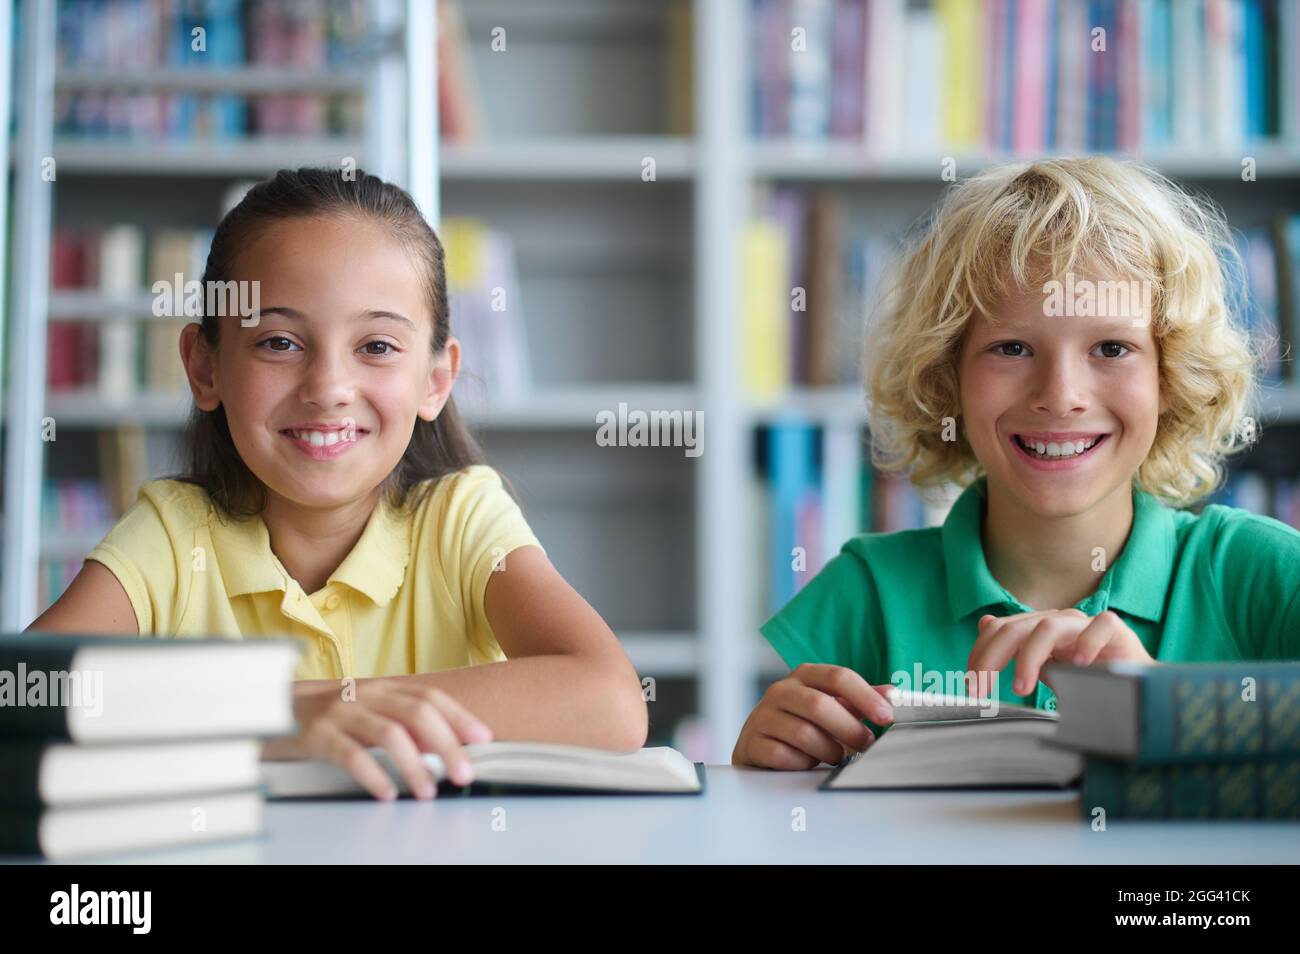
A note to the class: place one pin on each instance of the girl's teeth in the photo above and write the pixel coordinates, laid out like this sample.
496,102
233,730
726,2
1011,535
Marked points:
318,438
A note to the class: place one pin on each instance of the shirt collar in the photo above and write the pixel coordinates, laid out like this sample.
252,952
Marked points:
1136,583
376,565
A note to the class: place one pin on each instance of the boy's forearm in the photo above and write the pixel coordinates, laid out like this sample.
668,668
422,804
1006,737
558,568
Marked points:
555,698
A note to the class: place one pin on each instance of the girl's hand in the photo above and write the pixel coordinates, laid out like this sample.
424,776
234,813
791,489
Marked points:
811,716
1065,635
403,719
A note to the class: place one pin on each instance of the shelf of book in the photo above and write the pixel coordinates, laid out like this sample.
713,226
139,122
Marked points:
254,157
586,158
245,80
854,163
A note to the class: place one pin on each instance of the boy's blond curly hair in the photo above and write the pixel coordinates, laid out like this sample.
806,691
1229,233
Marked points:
1008,230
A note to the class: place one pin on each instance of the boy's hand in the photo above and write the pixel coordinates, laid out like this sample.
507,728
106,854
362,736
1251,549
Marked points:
811,716
404,720
1069,636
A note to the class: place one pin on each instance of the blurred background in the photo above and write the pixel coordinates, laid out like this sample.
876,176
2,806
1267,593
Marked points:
684,207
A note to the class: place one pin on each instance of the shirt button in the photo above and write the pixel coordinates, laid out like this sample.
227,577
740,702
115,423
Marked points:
1050,705
332,601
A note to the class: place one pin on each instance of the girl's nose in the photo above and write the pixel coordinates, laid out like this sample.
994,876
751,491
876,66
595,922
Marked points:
326,382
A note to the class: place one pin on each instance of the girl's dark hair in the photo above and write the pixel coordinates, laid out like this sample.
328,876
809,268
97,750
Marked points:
438,447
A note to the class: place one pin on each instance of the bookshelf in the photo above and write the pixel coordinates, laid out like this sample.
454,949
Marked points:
632,291
156,183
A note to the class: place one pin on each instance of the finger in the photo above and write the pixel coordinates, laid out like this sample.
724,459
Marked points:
330,742
430,731
857,713
468,727
802,735
998,644
1039,647
822,711
767,752
989,626
371,727
842,681
1095,637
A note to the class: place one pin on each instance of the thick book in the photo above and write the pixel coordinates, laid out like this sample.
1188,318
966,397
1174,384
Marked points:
504,767
940,741
1267,788
101,689
75,831
34,773
1184,713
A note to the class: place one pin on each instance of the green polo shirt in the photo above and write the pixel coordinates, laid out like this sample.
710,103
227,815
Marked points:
1221,585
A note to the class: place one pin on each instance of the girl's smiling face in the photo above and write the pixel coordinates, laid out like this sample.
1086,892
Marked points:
1064,380
322,394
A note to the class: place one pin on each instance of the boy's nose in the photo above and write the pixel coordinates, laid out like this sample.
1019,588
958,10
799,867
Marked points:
1061,389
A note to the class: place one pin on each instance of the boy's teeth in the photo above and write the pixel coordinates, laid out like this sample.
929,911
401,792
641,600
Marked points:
1063,449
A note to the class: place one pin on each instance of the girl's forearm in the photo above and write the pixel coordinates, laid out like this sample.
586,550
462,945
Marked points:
572,699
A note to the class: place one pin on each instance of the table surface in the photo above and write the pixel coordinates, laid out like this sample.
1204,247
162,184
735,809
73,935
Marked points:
746,815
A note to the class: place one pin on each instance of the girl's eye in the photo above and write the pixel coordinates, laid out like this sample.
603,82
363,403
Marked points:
1008,344
387,346
277,338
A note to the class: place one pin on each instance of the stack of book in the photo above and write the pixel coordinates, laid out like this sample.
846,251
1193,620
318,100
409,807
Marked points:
110,745
1200,740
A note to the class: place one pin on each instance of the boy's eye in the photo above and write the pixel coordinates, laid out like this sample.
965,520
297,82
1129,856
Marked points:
1016,344
1008,344
1113,344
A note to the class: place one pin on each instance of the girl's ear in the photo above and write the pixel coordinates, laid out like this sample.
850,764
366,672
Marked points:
442,376
200,368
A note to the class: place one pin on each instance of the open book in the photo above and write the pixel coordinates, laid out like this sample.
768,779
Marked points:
509,766
941,741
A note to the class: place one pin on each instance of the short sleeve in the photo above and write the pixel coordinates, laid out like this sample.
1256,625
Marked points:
481,525
139,552
1256,567
834,619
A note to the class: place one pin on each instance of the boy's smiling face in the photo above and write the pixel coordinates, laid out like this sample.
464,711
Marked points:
323,392
1065,380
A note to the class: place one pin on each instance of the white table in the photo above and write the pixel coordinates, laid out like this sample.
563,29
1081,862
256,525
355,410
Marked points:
744,816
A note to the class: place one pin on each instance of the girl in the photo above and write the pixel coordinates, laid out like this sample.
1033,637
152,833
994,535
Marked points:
1059,340
333,495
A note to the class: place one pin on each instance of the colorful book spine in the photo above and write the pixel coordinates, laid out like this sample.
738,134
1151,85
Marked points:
1030,75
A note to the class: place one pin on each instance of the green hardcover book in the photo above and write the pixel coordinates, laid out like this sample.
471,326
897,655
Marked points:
1180,714
1269,788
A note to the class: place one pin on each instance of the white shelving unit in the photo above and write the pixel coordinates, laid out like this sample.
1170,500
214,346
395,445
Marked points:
631,289
393,108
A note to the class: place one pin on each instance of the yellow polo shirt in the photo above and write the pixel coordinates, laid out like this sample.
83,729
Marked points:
408,598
